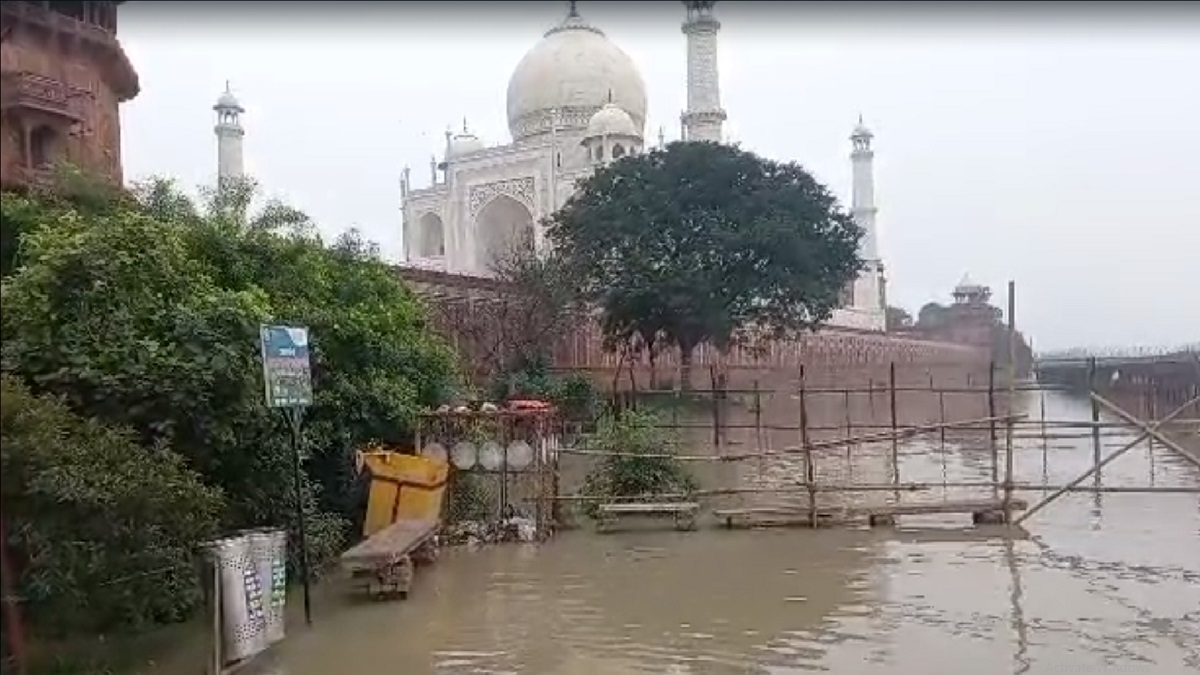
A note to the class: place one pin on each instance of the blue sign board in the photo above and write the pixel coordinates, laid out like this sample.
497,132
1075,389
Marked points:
286,367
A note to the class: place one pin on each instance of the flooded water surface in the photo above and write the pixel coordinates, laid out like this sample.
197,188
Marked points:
1095,583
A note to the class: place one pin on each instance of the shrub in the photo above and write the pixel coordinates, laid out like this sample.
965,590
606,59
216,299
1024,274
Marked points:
641,468
103,530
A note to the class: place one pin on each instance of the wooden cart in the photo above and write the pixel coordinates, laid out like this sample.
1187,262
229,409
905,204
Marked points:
384,562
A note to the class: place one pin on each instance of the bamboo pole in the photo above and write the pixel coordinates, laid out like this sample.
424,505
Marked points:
1012,379
810,473
895,438
991,415
1096,445
942,419
1148,430
1094,470
716,409
757,418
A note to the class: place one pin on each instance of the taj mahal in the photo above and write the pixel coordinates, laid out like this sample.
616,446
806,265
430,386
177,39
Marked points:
575,101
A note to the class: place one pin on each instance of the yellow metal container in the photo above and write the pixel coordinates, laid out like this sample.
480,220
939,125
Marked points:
403,487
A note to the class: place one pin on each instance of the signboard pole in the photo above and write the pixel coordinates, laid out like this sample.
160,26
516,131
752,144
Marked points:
287,379
293,414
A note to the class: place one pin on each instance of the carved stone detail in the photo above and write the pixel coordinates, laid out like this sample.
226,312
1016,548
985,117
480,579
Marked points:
520,189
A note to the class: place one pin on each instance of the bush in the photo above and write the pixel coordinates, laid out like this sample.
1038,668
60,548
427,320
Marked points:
103,530
640,469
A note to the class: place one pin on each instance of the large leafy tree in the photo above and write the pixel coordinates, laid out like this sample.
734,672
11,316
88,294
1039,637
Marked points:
703,242
146,313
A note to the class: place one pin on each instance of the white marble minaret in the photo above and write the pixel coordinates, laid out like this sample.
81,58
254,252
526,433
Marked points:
868,290
229,137
703,118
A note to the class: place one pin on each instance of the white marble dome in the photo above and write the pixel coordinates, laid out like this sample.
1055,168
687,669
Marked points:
465,143
574,71
612,121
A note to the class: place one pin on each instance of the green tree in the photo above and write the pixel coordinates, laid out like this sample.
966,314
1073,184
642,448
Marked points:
932,316
898,318
147,315
707,242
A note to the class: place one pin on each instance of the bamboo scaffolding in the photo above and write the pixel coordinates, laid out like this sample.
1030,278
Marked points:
1096,468
1147,429
885,487
869,390
1119,428
903,432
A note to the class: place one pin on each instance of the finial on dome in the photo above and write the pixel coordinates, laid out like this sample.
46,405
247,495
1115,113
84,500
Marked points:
610,96
573,21
227,89
465,124
860,118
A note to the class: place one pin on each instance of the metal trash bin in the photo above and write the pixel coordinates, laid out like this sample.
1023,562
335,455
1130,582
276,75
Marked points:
243,617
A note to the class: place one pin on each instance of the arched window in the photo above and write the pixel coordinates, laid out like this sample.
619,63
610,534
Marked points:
618,151
43,147
599,153
432,238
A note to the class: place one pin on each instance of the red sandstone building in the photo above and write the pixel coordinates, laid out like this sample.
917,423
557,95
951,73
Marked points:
64,77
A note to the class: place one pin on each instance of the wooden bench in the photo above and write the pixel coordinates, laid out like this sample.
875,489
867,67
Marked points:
385,561
684,513
987,511
772,515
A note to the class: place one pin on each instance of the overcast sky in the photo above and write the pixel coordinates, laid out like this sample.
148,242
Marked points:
1060,149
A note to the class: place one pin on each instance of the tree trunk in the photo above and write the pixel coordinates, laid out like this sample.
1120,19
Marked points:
685,366
652,356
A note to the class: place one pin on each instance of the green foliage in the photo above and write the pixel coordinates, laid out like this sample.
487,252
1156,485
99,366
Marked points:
932,316
702,242
574,394
898,318
640,469
147,315
104,528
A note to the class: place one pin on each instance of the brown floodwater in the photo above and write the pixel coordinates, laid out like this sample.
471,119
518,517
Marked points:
1095,583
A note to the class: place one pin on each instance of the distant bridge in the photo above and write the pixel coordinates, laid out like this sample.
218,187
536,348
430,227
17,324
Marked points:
1173,372
1115,355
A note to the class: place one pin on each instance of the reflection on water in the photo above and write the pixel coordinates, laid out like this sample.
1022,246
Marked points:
1099,584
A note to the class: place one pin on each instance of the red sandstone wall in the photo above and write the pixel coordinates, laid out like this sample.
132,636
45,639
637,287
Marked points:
469,312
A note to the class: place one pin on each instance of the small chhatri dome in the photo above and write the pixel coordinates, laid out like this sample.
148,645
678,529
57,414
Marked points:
861,130
465,144
612,121
568,76
228,101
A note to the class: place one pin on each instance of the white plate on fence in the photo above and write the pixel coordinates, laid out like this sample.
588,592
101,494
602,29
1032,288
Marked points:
435,451
520,455
491,456
464,455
